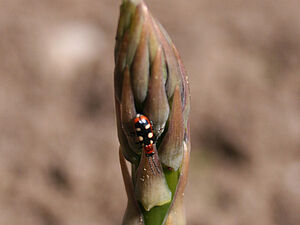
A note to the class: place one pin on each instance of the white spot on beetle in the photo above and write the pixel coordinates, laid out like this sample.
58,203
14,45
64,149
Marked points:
150,135
138,129
141,138
147,126
151,141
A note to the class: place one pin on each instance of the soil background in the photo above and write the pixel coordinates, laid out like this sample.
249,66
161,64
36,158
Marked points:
58,143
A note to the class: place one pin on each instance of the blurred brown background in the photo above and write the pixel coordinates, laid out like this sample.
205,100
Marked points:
58,145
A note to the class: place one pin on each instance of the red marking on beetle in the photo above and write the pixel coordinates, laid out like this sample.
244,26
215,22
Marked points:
149,150
136,120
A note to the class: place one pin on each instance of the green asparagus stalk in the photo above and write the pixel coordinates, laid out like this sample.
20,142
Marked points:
150,79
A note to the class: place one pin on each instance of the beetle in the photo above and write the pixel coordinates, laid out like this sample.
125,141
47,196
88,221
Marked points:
144,134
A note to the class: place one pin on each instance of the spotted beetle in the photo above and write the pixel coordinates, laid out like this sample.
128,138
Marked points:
144,133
